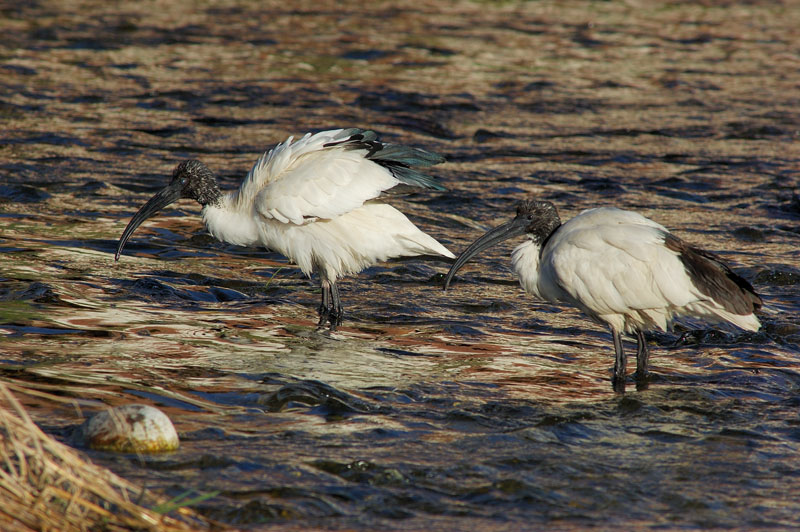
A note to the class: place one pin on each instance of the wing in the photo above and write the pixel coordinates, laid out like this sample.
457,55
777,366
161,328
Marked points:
614,266
330,173
610,216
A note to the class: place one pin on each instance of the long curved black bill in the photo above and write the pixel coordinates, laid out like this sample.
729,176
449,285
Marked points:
515,227
164,197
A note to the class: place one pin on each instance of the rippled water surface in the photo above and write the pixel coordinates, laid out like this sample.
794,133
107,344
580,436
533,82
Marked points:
478,407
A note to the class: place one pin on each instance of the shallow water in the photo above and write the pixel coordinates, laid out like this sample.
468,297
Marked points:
478,407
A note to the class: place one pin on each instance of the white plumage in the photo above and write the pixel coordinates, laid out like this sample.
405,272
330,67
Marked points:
613,265
621,269
315,201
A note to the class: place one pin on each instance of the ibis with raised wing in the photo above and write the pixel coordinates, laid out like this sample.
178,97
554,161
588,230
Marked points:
317,202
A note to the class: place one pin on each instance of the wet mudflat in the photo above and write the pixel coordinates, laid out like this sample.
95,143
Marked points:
478,407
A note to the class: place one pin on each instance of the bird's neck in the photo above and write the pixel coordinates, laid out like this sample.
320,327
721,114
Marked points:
207,192
542,237
525,262
228,222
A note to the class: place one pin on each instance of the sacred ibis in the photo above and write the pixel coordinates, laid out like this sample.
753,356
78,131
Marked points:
315,201
622,270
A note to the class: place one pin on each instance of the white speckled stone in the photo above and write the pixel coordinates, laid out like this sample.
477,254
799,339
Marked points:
130,429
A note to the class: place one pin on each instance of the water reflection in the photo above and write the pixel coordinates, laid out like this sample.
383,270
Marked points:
396,420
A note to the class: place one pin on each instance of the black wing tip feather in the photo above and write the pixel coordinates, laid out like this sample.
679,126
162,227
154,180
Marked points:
409,176
356,139
354,133
715,278
352,138
408,155
396,158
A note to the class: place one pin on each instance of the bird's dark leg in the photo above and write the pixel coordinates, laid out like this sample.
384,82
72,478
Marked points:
618,381
324,306
336,307
641,357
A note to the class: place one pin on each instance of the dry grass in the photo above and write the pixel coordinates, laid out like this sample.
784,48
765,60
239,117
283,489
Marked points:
45,485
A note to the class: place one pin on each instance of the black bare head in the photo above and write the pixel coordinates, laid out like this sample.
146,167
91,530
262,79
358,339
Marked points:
196,182
191,179
537,219
540,219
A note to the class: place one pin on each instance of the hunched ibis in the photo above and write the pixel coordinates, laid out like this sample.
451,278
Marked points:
622,270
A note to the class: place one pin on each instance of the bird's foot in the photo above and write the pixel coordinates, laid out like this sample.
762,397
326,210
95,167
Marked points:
335,318
324,315
620,363
331,316
618,384
642,380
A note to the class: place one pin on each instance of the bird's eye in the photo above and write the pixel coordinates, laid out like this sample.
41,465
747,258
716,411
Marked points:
184,181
